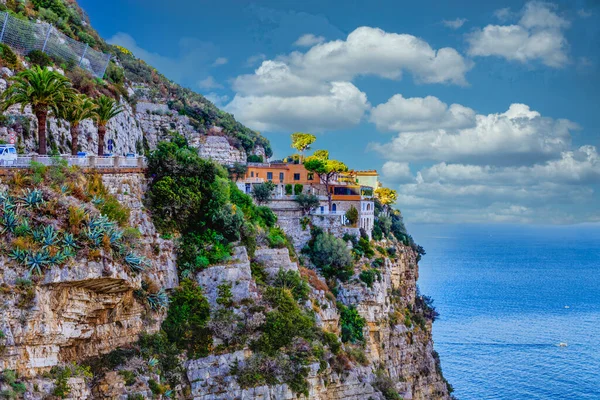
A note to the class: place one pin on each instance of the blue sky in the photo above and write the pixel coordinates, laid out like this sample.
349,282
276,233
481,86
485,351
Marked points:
474,111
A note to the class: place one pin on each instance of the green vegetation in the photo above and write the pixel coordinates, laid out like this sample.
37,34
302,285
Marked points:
61,377
42,228
16,388
263,192
352,216
330,255
106,109
44,90
188,314
320,164
386,385
292,281
352,324
302,142
298,187
81,108
369,276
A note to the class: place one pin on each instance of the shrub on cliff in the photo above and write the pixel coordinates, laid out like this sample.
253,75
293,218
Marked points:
352,324
330,254
186,322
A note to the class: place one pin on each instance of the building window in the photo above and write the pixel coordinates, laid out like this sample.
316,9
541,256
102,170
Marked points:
270,176
311,176
296,177
281,177
252,174
334,207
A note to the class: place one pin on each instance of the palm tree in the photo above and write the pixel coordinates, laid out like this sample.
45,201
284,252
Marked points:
44,90
106,109
74,113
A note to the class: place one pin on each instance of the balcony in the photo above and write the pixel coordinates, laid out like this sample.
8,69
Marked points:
254,180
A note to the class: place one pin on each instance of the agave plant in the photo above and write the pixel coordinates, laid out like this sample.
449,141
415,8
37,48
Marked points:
115,236
135,262
95,236
153,362
38,235
69,252
18,255
49,236
69,241
8,203
10,222
58,259
101,222
169,393
32,198
36,262
97,200
158,301
64,189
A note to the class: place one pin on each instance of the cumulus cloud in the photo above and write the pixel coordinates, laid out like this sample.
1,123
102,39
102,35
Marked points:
342,106
309,40
397,172
372,51
538,35
420,113
516,137
326,70
209,83
454,23
255,59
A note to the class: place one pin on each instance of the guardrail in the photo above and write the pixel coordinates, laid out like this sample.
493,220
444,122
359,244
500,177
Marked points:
83,162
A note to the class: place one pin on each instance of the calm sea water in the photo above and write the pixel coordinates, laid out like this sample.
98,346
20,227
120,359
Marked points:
508,296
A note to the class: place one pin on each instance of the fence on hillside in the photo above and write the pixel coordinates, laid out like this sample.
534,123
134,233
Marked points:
25,36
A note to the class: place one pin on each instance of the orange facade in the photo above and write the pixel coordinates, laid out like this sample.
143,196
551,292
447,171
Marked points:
281,174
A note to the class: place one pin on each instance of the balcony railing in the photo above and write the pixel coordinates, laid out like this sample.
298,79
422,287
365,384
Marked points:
80,161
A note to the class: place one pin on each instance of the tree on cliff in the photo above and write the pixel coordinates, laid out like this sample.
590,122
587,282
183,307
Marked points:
74,113
106,109
263,192
302,141
44,90
386,197
320,164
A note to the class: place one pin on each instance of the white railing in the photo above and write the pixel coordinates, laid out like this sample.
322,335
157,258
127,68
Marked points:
254,180
80,161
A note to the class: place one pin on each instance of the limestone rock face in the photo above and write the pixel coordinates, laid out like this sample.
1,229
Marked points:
236,272
85,308
274,260
218,149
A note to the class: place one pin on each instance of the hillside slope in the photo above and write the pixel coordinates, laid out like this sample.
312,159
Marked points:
167,105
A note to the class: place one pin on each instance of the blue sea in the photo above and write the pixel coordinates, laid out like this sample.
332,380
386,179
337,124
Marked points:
507,296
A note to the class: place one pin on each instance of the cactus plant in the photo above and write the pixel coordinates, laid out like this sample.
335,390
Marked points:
136,263
32,198
36,261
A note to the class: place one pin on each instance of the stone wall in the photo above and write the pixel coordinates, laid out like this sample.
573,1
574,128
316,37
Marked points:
217,148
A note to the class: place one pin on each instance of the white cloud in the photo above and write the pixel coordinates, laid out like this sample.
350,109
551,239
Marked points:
325,71
372,51
397,172
217,99
417,113
220,61
581,166
276,78
209,83
309,40
454,23
516,137
538,35
584,13
342,106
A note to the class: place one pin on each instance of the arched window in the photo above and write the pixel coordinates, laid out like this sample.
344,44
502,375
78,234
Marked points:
368,206
334,207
